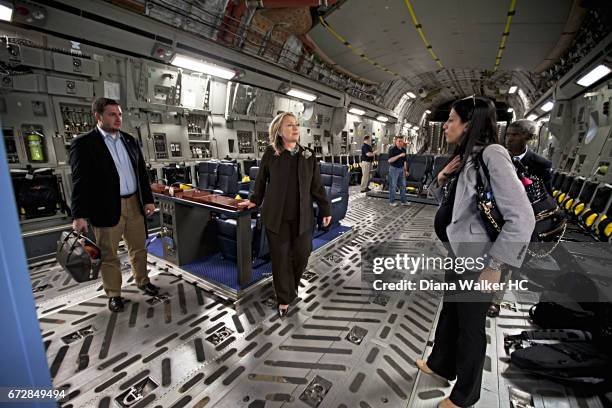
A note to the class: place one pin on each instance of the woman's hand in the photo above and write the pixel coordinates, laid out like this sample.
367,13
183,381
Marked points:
149,209
488,277
326,220
450,168
246,203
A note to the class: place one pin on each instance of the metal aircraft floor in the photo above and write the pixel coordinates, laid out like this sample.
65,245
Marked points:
341,346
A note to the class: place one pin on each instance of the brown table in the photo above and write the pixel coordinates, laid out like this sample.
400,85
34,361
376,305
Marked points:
186,215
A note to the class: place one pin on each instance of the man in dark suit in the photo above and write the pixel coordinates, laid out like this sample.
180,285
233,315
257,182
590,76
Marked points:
110,188
517,136
367,157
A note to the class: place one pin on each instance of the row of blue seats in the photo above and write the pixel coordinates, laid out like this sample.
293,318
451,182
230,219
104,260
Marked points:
422,169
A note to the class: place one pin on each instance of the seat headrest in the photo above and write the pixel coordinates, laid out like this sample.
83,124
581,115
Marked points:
326,168
339,169
227,169
253,171
418,158
208,166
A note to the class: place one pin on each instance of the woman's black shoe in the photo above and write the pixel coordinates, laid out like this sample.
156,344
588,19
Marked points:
149,289
493,310
282,312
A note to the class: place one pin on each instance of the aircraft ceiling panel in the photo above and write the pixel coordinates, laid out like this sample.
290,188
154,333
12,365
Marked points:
464,34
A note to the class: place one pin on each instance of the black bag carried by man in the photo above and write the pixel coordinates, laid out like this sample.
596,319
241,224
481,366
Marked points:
79,256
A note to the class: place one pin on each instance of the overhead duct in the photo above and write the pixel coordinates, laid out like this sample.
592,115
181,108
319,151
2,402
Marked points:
290,3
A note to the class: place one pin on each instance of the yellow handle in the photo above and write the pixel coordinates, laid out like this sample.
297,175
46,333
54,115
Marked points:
591,219
579,208
560,198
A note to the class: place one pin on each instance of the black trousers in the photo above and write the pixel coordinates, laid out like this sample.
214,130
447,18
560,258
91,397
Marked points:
289,253
460,344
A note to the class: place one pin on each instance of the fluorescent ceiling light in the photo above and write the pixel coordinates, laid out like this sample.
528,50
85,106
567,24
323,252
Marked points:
510,110
382,118
512,89
428,111
594,75
356,111
547,107
6,12
415,128
193,64
532,117
411,95
296,93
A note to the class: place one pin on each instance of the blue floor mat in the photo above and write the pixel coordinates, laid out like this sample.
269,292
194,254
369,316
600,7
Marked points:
155,246
215,268
220,270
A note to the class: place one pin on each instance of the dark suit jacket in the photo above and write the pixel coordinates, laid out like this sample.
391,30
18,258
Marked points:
539,166
271,186
95,181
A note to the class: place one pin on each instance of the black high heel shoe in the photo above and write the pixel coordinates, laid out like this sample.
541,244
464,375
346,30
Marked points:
283,312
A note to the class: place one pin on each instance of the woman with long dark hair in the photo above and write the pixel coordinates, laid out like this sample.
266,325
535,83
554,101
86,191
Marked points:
287,182
460,341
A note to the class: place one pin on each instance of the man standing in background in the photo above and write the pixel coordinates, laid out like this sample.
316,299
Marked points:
398,169
517,136
367,157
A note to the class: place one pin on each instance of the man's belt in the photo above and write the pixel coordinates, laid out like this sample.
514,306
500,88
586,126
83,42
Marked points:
128,195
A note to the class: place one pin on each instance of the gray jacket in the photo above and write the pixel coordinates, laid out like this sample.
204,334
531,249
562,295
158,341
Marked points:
466,232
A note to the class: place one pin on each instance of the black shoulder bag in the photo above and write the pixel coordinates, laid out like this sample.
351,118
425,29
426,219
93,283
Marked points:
550,223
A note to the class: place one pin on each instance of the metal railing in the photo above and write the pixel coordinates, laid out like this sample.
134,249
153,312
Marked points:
193,17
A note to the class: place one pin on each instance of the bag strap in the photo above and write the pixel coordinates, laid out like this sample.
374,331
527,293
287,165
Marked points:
78,236
477,163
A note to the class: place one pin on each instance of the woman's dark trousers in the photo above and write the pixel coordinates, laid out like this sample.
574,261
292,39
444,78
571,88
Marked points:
460,344
289,253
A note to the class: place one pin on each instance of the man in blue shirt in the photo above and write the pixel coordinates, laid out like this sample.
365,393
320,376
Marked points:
398,169
367,157
110,188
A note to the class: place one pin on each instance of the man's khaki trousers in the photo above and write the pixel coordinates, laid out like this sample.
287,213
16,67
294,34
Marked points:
365,174
132,228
